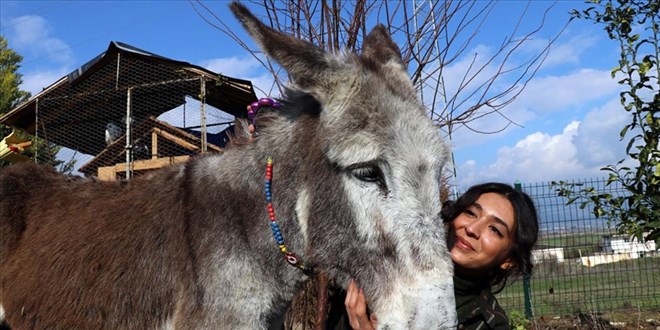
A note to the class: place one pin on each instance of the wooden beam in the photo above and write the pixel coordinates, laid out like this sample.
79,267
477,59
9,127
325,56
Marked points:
176,140
150,164
109,173
154,145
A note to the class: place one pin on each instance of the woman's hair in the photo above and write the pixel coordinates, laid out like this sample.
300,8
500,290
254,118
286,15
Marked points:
526,227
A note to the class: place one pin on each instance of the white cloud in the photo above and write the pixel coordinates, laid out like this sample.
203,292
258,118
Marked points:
244,68
34,82
569,51
232,66
538,156
579,151
543,95
597,140
31,35
542,98
554,93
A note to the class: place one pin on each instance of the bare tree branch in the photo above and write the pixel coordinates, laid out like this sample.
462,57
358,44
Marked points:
434,35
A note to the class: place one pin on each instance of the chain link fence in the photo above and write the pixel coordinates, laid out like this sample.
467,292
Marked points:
129,111
582,265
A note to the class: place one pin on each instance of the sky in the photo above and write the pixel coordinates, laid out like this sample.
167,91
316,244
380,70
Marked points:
567,119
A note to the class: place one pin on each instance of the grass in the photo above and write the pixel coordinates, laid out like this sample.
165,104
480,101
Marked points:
563,240
567,288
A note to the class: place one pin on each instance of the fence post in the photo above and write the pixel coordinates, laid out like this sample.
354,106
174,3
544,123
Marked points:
526,278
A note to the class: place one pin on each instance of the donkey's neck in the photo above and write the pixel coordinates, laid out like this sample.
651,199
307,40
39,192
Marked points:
295,149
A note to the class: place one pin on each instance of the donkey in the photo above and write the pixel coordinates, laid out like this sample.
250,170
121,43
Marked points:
354,187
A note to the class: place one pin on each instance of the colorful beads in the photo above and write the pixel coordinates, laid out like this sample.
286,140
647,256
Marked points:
290,257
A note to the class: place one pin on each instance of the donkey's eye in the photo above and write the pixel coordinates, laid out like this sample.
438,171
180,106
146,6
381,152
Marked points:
368,172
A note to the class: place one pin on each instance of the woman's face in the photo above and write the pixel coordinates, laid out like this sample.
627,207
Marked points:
481,236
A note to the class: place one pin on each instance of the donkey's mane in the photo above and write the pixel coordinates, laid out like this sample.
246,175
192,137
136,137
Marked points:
295,103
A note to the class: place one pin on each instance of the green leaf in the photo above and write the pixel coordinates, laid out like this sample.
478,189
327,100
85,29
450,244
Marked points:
614,71
623,132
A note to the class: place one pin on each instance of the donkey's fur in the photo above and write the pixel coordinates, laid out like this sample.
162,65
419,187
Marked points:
355,188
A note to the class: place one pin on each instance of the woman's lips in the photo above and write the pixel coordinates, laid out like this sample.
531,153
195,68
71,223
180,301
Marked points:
463,244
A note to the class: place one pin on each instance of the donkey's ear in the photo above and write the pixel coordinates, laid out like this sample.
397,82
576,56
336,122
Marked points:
379,47
303,61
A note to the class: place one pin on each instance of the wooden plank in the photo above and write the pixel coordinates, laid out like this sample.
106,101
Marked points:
176,140
150,164
107,173
183,142
154,145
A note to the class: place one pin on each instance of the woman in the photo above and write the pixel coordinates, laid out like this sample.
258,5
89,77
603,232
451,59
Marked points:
491,231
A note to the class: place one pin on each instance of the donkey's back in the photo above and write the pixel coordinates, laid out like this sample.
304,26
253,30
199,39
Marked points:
64,238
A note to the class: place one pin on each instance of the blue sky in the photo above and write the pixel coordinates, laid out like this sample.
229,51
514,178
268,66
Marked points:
569,114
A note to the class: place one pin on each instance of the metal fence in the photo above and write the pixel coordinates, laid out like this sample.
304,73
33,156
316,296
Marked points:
582,265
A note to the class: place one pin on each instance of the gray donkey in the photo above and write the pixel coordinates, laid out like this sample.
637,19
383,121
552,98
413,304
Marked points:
354,187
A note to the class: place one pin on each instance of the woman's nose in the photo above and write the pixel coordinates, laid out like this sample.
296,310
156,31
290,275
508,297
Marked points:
474,229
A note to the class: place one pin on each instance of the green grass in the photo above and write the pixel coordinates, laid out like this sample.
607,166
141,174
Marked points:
566,288
575,240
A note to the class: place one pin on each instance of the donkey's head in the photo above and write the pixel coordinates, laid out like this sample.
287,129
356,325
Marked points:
384,159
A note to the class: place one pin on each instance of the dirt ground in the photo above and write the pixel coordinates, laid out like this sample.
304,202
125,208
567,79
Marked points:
619,320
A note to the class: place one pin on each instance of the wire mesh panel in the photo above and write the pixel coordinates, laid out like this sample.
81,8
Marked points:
582,264
130,114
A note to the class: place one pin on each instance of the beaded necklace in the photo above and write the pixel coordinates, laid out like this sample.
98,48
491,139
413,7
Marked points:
289,256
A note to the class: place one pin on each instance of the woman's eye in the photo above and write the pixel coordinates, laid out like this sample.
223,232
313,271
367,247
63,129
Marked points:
470,213
369,173
496,231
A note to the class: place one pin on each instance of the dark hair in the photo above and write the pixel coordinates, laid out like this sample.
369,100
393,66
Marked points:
526,227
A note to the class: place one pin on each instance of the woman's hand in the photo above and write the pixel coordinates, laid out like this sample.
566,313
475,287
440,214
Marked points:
356,307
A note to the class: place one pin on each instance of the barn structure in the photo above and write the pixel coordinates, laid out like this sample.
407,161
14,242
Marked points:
127,111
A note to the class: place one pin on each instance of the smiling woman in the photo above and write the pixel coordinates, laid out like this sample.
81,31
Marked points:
500,226
491,231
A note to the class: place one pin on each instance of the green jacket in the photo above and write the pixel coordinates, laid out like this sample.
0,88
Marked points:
476,308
